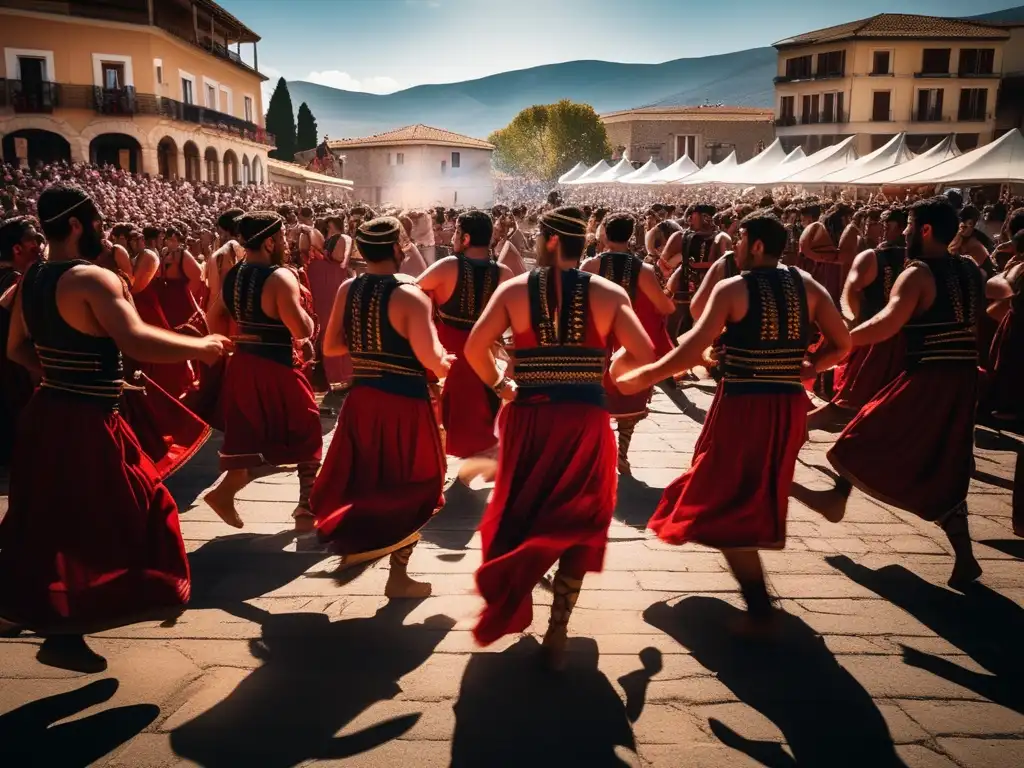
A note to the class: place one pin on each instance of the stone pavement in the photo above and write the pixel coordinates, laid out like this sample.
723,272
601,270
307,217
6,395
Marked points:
280,663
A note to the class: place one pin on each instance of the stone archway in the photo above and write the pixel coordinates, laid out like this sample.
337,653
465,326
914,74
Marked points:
246,177
43,146
230,168
193,169
117,149
167,158
212,165
257,171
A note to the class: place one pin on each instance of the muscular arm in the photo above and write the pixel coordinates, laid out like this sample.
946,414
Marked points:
863,271
124,262
418,326
146,267
825,315
903,302
285,286
511,258
436,277
191,269
591,265
479,347
414,263
812,247
700,299
20,349
648,283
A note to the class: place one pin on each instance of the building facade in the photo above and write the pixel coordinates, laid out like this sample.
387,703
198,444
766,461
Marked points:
416,167
704,133
874,78
152,86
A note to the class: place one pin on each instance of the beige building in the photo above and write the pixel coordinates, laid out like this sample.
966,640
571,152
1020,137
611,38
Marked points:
874,78
415,167
705,133
154,86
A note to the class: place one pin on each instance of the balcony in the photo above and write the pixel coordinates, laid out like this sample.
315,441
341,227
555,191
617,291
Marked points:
193,113
933,74
972,116
31,97
779,79
929,116
784,121
828,117
979,75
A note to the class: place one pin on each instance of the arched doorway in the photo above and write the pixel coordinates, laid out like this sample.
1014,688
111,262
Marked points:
193,171
167,158
43,146
245,170
230,168
257,171
212,165
116,149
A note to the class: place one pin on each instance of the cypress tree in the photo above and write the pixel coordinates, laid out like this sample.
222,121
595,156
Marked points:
281,122
305,134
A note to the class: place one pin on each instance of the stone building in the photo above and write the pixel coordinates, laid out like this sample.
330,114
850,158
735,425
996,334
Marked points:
703,133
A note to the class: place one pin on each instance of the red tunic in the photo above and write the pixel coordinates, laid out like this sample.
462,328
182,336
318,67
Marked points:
554,493
736,492
174,378
624,269
1006,363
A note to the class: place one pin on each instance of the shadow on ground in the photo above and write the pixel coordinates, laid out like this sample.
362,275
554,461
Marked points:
513,712
29,736
688,408
636,502
317,676
455,524
980,622
825,715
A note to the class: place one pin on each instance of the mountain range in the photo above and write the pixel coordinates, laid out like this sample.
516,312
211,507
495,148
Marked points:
477,107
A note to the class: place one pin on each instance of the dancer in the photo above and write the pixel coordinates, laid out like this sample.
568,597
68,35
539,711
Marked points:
223,259
91,538
735,495
325,277
384,474
460,287
912,446
651,305
271,419
871,367
555,487
1003,397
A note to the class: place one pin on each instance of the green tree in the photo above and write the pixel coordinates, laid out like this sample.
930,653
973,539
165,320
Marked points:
546,140
305,134
281,122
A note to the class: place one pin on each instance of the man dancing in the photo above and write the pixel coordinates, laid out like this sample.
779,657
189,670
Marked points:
271,419
384,474
91,539
735,495
461,286
554,492
912,446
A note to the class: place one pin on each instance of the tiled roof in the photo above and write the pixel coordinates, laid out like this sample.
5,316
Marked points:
899,25
413,134
716,112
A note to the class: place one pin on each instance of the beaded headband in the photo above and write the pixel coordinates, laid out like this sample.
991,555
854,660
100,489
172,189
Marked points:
380,231
553,219
64,213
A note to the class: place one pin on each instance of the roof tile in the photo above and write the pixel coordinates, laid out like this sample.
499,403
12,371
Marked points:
897,25
412,134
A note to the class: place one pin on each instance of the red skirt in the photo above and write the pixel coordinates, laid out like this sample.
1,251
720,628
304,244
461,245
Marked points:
168,432
468,406
867,370
656,325
383,478
622,406
174,378
91,539
912,446
1006,366
831,275
554,495
270,415
736,493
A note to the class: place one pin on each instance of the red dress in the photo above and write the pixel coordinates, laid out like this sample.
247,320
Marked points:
174,378
554,493
1006,363
912,446
624,269
325,278
468,406
383,478
736,492
91,538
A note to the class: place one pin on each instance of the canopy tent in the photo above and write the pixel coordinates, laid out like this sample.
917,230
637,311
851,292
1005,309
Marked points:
894,152
573,173
680,169
770,157
620,169
601,166
796,155
709,173
641,175
940,153
814,174
1001,162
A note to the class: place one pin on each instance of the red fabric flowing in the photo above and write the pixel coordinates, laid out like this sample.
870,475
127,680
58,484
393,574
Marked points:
168,432
177,302
383,478
1006,365
468,407
174,378
554,496
325,277
831,275
270,415
912,446
736,492
867,370
622,406
91,538
655,323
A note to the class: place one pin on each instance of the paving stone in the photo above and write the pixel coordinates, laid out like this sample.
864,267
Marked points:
914,545
741,718
149,750
664,724
985,753
916,756
902,729
434,723
695,756
970,718
889,678
214,686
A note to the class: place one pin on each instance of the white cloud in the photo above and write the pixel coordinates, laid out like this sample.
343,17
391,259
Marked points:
337,79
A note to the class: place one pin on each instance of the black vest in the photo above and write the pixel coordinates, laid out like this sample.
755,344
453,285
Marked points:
623,269
381,357
764,352
561,368
947,332
74,363
891,259
243,294
476,284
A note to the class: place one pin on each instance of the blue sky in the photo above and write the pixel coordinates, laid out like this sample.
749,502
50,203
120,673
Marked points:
381,46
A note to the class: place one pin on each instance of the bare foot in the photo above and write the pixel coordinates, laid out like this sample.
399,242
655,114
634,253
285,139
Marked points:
402,587
223,503
553,647
70,652
304,520
965,571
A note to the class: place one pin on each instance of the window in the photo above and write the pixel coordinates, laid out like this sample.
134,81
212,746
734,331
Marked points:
787,110
400,158
456,160
228,100
31,69
248,109
444,167
973,102
811,107
880,63
211,96
832,107
831,64
929,105
798,68
976,61
935,61
686,145
186,91
881,104
113,75
158,65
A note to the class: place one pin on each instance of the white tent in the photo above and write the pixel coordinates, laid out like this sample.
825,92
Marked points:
940,153
770,157
680,169
643,174
601,166
1001,162
710,172
894,152
795,156
620,169
573,173
816,165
